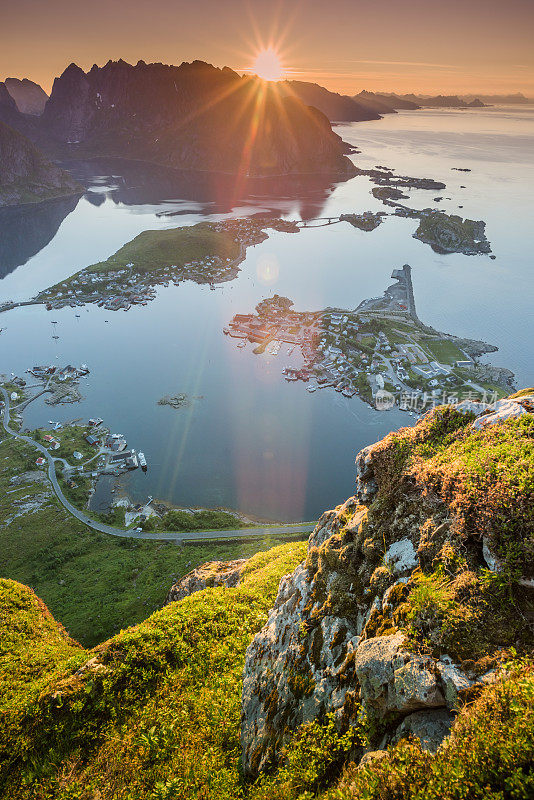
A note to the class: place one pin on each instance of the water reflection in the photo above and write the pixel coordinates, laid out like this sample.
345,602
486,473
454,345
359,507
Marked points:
139,183
25,230
254,441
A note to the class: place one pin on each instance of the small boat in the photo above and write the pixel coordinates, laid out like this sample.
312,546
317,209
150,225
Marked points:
142,461
311,388
241,344
55,337
77,315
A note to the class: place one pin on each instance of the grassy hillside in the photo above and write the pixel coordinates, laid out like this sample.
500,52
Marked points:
153,712
488,757
154,250
32,643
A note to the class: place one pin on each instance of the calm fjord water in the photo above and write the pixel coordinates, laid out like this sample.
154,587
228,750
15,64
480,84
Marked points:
250,440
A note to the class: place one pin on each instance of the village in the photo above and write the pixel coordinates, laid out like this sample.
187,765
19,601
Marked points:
82,452
85,462
380,352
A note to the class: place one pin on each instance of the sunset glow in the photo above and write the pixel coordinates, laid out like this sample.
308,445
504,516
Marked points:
267,65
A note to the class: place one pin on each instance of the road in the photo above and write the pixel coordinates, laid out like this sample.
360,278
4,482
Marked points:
171,536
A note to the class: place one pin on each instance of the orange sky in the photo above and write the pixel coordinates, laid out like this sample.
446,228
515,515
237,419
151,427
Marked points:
447,46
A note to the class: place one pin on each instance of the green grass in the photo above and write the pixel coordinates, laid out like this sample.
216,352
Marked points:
205,519
484,481
93,583
444,351
488,479
71,438
155,713
154,250
32,643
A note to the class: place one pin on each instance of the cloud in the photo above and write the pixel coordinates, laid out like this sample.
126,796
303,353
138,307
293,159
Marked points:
400,63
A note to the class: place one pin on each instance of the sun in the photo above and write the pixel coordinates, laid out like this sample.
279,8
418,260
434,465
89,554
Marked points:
267,65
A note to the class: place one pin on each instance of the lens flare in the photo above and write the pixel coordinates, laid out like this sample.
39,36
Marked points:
267,269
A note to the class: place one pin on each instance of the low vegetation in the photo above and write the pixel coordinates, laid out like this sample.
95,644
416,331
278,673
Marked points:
153,712
154,250
473,487
489,755
176,520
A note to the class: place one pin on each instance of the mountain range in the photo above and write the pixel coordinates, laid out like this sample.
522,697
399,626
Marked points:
194,116
443,101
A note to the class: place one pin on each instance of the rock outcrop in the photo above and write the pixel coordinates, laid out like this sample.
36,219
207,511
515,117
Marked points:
212,573
193,117
449,233
26,176
389,617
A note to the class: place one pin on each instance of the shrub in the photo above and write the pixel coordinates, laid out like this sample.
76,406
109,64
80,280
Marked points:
310,762
490,754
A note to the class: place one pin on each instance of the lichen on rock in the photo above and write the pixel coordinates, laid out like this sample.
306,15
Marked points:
394,614
211,573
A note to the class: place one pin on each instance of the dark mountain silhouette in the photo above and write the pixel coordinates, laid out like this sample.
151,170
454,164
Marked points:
26,175
392,102
9,112
504,99
374,103
29,97
337,107
194,116
443,101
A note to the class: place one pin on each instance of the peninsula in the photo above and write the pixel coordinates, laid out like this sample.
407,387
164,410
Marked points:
380,351
207,253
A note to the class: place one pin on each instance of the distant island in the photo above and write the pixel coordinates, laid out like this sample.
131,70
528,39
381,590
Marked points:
337,107
438,101
384,103
206,253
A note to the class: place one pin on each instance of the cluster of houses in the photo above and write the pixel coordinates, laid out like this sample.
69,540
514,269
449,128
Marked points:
119,289
275,321
111,290
61,373
113,453
338,349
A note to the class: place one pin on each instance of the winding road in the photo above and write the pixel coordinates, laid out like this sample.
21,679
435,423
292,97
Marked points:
172,536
